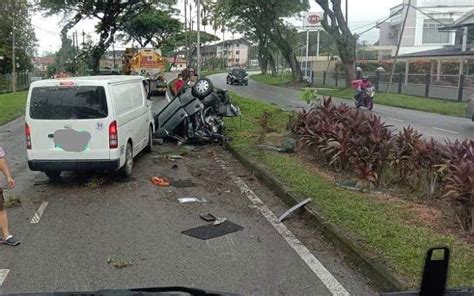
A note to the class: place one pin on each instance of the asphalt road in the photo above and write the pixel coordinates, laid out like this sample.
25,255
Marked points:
430,125
88,221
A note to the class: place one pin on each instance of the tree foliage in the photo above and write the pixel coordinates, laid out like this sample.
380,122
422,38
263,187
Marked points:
153,27
111,14
177,41
266,21
17,11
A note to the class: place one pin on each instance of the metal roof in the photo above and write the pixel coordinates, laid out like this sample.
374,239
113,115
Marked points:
449,51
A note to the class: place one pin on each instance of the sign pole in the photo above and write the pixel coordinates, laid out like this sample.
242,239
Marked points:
307,51
317,46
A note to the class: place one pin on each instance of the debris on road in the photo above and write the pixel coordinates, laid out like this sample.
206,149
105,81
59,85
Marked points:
162,182
12,202
212,231
219,221
118,262
169,156
42,182
183,183
294,208
191,199
208,217
174,166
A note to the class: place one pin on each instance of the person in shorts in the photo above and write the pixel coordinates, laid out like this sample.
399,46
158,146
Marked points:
5,238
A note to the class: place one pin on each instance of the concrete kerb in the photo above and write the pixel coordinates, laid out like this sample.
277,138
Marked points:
377,273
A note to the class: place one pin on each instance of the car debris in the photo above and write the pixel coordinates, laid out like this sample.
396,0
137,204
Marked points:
212,231
219,221
292,209
162,182
208,217
191,199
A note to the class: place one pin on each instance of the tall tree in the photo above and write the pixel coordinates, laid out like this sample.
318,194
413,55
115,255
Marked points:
266,18
335,24
16,12
151,27
178,41
111,14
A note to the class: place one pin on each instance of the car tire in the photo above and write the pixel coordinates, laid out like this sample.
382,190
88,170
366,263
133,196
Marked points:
227,81
127,169
53,175
202,87
149,146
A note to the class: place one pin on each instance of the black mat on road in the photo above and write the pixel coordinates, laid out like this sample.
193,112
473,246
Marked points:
210,231
182,183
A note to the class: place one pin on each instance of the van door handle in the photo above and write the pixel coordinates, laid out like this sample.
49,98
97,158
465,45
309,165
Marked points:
50,136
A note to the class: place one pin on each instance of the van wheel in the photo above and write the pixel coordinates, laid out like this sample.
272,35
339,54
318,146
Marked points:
53,175
149,146
127,168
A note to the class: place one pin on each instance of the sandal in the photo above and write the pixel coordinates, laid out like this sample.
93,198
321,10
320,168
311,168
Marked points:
10,241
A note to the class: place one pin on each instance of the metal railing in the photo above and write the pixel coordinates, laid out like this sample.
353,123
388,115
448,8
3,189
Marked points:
23,81
450,87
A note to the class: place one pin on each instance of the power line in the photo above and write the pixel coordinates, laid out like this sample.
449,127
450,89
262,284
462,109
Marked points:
382,21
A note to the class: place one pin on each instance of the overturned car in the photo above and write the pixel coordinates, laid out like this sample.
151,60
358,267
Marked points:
196,114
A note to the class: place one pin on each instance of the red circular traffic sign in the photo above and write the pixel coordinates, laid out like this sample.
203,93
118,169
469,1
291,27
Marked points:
313,19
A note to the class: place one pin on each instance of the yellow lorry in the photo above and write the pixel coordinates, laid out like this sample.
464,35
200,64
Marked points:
147,62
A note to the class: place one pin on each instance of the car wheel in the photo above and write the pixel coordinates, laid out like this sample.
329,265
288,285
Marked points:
127,168
53,175
149,146
202,87
227,81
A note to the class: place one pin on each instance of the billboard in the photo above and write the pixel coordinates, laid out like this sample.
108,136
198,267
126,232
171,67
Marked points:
312,19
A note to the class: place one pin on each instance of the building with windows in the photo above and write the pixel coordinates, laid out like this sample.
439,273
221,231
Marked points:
422,27
235,51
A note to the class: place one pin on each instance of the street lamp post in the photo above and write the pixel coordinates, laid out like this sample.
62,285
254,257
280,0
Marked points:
198,37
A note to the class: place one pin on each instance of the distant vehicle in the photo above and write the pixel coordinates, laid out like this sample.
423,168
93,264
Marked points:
147,62
237,76
94,123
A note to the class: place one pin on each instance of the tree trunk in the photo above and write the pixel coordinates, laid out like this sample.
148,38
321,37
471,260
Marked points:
263,63
290,58
349,72
272,64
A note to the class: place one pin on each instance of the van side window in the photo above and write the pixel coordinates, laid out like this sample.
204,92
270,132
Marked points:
76,102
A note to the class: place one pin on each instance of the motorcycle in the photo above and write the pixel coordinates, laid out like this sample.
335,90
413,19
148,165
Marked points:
196,114
366,98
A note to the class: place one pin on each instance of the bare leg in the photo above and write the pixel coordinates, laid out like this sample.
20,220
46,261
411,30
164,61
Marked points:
4,224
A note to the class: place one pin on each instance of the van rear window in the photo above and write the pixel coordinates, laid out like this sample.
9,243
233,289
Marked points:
76,102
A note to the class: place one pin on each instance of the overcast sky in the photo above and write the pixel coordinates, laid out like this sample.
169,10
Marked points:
363,14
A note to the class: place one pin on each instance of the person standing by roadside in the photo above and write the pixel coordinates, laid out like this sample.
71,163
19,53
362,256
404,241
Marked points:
6,237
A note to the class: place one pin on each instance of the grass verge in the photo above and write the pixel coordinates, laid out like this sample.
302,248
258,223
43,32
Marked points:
273,80
438,106
12,105
389,230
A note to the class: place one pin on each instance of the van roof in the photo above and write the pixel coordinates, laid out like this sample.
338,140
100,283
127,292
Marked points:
94,80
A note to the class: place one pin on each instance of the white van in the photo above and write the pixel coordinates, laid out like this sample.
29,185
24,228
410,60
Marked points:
95,123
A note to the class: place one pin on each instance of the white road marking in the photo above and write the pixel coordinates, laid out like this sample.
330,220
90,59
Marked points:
37,216
396,119
445,130
317,267
3,275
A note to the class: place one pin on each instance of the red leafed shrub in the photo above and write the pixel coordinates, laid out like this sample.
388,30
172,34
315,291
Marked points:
350,139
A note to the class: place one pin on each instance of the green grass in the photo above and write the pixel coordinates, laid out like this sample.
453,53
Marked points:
438,106
389,230
12,105
273,80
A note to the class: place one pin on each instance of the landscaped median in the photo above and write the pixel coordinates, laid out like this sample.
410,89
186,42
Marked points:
12,105
379,228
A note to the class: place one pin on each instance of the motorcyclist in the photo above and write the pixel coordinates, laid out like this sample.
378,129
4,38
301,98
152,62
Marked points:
364,83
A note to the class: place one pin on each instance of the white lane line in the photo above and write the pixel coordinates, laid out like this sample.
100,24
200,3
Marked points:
396,119
317,267
37,216
445,130
3,275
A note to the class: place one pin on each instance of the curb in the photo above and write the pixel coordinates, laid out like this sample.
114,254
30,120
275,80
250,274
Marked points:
372,268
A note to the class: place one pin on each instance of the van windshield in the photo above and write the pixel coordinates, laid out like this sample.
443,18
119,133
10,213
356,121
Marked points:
78,102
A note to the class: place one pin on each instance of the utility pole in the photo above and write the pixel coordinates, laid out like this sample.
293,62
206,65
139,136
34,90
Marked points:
198,37
307,52
398,46
190,33
83,38
186,25
113,53
13,58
